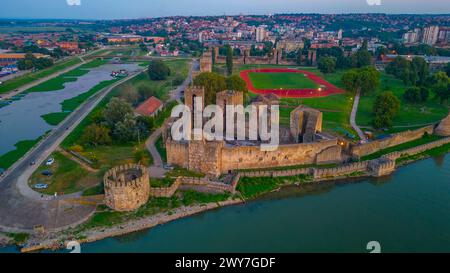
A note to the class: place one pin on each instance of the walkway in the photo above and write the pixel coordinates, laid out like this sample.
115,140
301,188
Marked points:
157,169
358,130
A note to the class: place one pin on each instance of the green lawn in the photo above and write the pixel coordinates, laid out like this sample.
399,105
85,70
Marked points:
252,187
30,77
409,114
281,81
68,176
178,67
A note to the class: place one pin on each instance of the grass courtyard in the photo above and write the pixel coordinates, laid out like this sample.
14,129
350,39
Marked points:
281,81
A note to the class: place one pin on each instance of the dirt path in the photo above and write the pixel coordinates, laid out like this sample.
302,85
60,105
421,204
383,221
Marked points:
353,117
83,164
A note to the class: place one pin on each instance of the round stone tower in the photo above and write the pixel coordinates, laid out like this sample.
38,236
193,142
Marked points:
127,187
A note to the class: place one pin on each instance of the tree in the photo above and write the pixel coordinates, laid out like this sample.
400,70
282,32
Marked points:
229,60
421,69
145,92
116,110
158,70
236,83
447,69
385,108
213,83
125,130
130,94
27,62
327,64
366,79
412,95
440,85
95,135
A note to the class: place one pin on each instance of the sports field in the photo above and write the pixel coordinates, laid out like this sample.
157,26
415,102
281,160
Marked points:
281,81
288,83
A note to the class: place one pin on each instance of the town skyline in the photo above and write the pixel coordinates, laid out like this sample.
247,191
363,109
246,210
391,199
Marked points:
89,10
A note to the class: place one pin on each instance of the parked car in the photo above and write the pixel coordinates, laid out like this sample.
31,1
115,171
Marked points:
2,171
168,167
50,161
40,186
47,173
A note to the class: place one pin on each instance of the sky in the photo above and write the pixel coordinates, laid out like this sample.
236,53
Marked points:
119,9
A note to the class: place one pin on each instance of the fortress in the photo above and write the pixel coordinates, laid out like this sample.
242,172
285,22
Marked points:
300,144
127,187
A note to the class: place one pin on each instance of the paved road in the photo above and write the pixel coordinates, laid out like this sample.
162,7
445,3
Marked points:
157,169
353,118
21,207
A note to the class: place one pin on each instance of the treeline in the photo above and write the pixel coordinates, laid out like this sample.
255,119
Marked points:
417,75
30,62
330,59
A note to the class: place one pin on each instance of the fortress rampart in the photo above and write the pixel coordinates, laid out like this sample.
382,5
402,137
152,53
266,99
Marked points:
192,183
216,158
417,150
127,187
361,150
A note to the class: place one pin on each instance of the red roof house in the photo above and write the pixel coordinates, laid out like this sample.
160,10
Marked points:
150,107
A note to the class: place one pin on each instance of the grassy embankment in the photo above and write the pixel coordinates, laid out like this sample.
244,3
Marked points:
22,147
30,77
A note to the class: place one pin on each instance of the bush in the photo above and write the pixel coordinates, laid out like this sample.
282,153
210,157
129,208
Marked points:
76,148
158,70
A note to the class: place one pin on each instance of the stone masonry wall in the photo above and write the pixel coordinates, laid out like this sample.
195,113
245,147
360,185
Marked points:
361,150
123,195
417,150
251,157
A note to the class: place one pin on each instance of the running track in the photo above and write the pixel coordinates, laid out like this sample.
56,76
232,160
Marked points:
327,88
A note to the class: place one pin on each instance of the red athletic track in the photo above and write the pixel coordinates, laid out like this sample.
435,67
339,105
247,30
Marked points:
327,88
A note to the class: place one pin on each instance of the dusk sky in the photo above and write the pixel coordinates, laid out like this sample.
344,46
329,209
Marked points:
108,9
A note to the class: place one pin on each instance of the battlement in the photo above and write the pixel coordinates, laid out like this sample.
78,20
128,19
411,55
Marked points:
126,187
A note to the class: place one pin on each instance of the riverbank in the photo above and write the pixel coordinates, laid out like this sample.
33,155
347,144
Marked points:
133,226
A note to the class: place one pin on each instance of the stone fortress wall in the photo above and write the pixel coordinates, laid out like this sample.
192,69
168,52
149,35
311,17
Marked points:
418,149
361,150
245,58
374,168
218,157
195,184
127,187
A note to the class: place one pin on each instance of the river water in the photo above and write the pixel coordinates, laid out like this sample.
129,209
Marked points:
407,212
21,120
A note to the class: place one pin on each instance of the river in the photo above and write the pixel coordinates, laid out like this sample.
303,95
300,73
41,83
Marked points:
21,120
407,212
